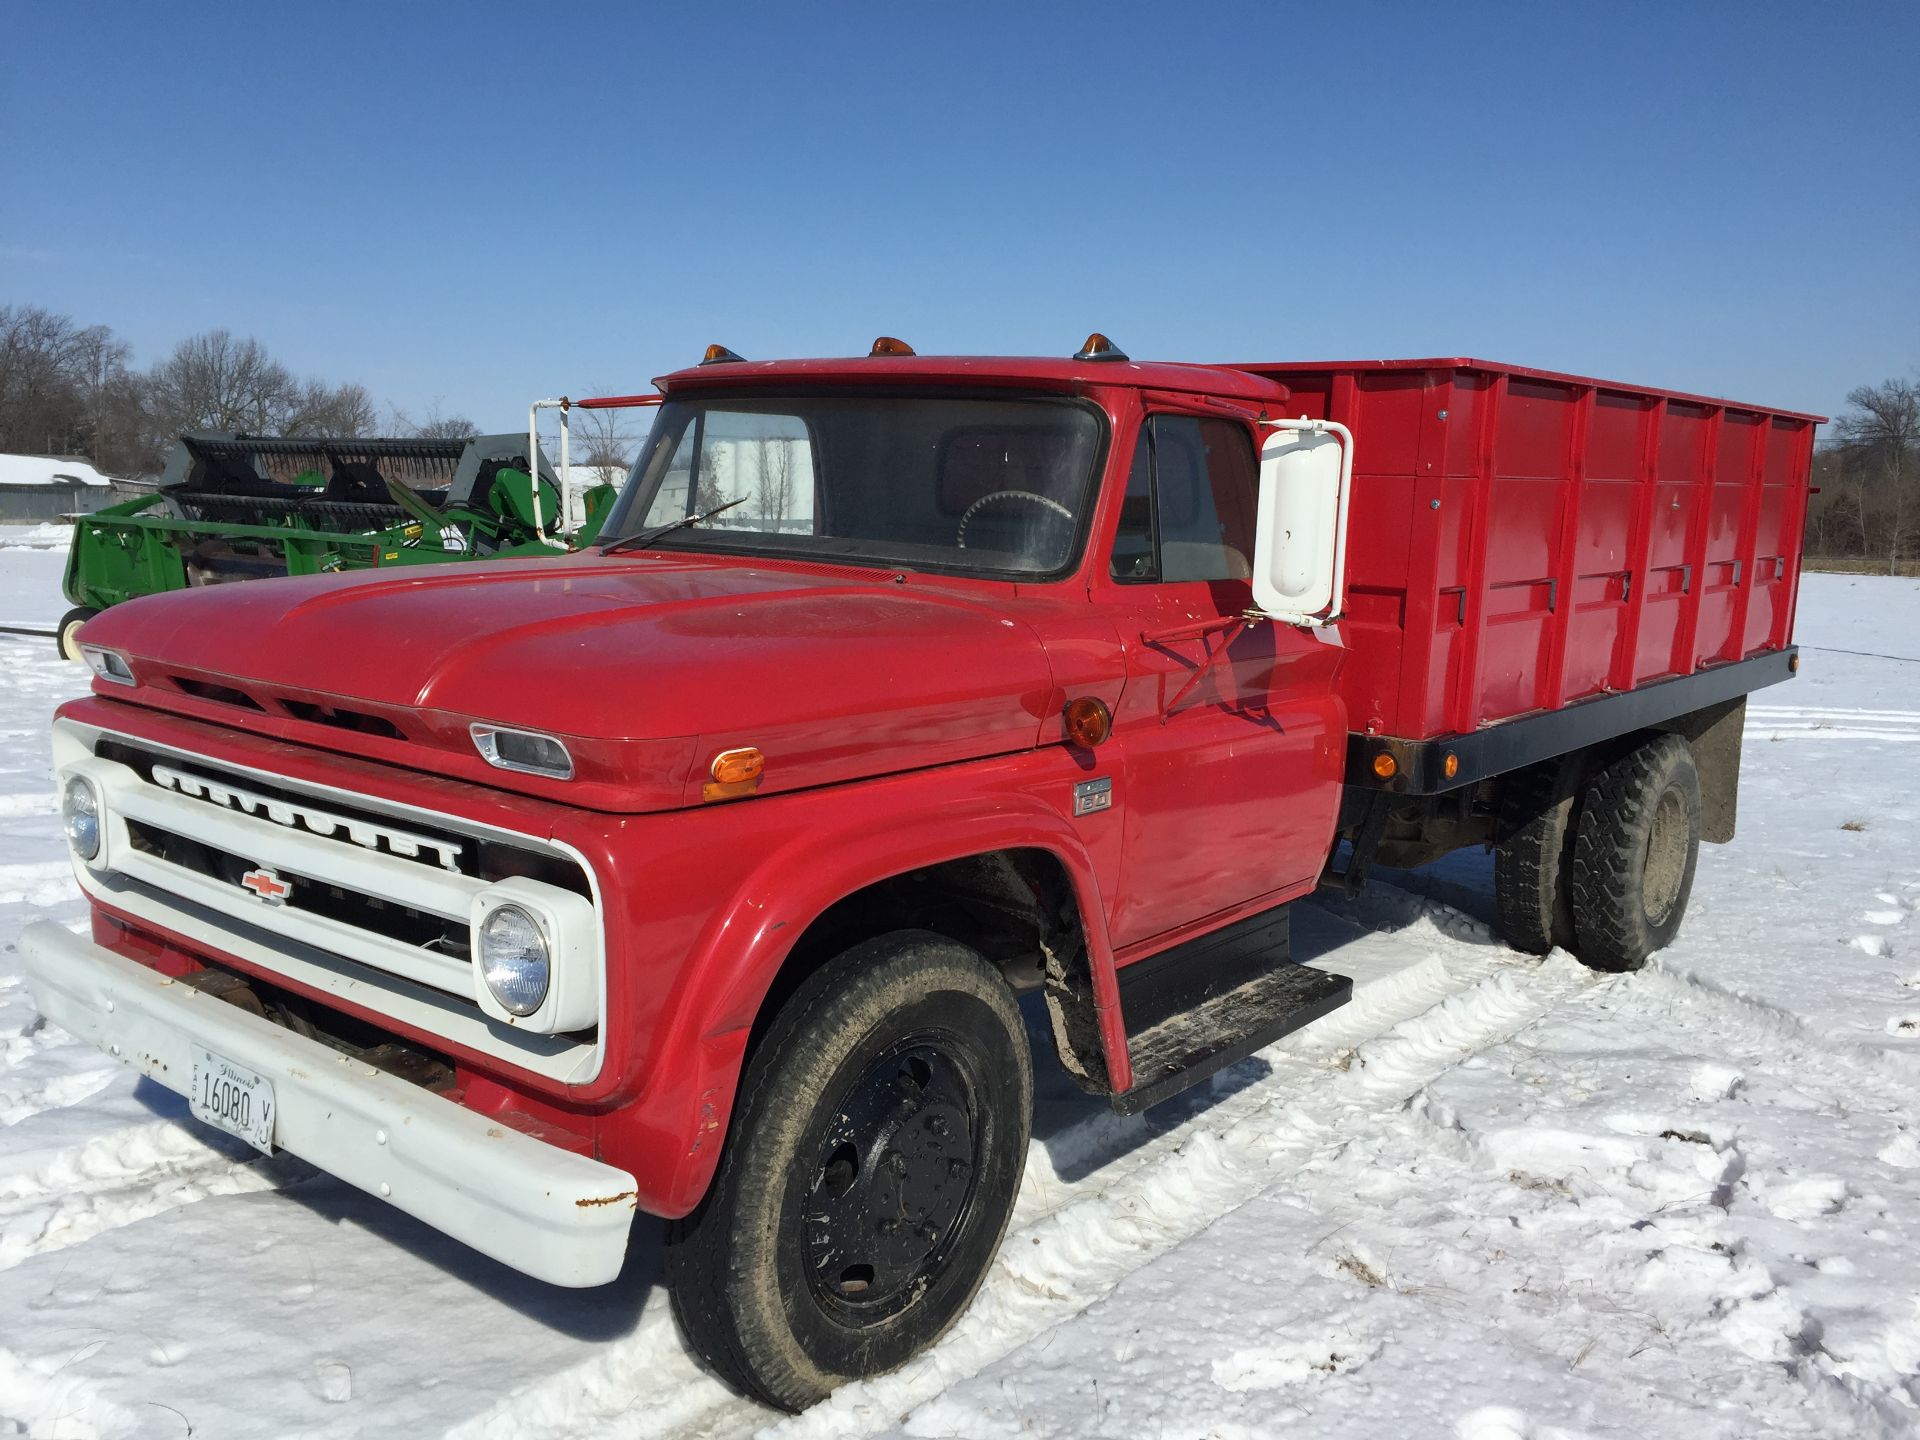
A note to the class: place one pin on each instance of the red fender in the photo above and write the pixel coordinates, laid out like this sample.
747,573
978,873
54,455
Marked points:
837,847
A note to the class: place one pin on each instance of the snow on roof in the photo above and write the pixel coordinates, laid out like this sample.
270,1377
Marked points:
48,470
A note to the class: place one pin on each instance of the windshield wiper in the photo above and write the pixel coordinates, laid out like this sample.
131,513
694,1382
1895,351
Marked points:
647,537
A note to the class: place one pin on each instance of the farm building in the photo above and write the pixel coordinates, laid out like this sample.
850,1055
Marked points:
45,487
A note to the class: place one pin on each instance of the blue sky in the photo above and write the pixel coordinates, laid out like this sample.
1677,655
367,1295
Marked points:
463,205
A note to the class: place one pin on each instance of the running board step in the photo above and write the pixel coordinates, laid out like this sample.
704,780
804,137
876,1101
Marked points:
1203,1006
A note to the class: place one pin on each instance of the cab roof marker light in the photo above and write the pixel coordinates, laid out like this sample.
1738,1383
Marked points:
1099,347
720,355
526,751
887,345
108,664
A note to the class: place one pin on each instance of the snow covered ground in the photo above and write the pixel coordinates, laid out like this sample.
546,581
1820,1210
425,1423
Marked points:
1493,1198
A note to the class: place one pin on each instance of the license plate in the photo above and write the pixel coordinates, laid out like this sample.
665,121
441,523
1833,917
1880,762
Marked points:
233,1098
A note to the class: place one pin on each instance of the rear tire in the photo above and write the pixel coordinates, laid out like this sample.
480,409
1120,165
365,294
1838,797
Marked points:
1533,861
1634,856
878,1142
69,632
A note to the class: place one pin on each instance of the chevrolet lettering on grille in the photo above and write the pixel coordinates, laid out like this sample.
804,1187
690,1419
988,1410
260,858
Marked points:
391,839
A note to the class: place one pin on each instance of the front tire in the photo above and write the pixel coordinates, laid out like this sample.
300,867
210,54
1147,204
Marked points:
1634,856
879,1138
69,631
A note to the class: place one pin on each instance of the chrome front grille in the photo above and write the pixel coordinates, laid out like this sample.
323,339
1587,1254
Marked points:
441,849
364,904
403,924
392,893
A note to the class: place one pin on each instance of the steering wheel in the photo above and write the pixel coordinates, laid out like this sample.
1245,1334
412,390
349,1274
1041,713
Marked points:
1001,495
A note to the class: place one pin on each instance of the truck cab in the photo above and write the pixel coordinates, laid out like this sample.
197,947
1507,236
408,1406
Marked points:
701,873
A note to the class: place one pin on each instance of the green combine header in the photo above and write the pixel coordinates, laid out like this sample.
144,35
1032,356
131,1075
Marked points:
240,507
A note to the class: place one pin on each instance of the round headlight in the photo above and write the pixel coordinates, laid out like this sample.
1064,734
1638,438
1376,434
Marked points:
514,960
80,808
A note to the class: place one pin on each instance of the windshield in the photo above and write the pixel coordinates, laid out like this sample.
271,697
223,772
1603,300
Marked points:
984,484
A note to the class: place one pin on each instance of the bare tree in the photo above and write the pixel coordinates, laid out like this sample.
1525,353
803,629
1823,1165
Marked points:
215,381
317,408
708,492
606,440
43,360
66,389
446,427
1880,437
436,424
773,481
759,501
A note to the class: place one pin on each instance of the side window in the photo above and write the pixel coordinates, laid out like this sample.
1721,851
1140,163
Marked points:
1192,516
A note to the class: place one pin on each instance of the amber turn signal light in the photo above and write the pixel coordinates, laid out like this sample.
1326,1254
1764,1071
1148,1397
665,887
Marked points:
1088,721
735,773
1385,766
887,345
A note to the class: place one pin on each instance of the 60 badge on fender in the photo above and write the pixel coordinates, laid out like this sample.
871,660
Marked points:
232,1098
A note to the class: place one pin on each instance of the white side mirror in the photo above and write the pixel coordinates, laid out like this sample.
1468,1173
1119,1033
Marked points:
1300,539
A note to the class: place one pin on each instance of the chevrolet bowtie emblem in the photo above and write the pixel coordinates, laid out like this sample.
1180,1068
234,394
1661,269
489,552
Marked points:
267,885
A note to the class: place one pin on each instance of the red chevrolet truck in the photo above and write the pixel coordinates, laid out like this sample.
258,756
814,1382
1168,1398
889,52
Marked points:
701,874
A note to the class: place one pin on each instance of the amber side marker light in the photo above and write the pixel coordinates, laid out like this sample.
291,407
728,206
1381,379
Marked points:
735,773
1385,766
1793,663
1451,765
1088,721
887,345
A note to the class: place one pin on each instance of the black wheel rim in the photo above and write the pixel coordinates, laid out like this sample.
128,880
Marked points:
893,1181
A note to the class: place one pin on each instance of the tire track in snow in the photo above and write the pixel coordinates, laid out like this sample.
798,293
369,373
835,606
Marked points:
1620,1158
1890,1072
54,1092
40,884
40,1387
115,1180
1071,1242
1052,1271
1814,722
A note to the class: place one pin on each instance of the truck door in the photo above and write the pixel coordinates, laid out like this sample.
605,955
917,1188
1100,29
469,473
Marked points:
1229,790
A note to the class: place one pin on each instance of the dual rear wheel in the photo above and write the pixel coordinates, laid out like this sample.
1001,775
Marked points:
1600,861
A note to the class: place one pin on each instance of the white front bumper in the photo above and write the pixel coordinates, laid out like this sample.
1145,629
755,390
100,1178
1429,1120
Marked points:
548,1212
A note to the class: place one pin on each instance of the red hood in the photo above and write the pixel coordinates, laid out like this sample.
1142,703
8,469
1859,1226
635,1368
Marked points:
834,673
